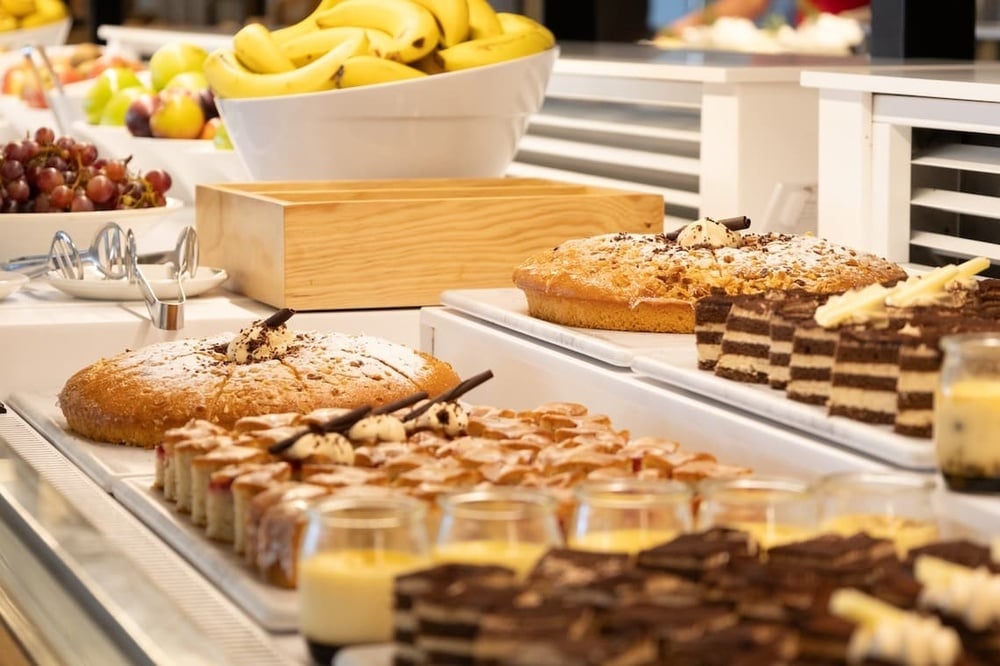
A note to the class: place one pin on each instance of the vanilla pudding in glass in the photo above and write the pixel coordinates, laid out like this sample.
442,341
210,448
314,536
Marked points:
512,527
967,413
352,550
772,510
629,515
898,506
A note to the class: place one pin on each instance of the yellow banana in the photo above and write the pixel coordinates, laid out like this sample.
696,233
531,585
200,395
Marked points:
413,28
255,48
498,48
8,23
452,18
429,64
364,70
483,21
514,23
310,46
306,25
228,78
18,8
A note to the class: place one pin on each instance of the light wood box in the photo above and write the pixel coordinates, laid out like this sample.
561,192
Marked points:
397,243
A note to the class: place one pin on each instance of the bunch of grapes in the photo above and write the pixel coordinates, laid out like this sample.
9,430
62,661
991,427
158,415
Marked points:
45,174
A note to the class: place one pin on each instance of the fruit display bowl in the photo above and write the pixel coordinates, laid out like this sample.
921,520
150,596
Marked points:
50,34
457,124
23,234
24,118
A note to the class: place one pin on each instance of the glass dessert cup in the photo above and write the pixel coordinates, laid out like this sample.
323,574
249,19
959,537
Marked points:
352,550
898,506
511,527
967,413
772,510
629,515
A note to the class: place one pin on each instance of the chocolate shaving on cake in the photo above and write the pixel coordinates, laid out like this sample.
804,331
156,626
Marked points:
402,403
459,390
732,223
279,317
3,408
337,424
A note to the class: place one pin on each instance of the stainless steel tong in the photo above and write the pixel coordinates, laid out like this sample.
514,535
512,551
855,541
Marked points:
167,315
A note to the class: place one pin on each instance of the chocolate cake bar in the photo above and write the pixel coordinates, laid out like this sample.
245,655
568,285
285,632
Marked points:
863,377
410,587
811,363
694,555
785,319
746,341
448,620
844,560
745,644
531,618
562,568
710,315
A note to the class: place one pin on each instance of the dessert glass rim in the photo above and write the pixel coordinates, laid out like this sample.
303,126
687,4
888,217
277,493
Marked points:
631,493
498,503
357,512
783,484
983,343
888,482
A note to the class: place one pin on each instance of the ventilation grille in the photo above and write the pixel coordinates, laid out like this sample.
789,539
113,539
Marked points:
630,143
955,196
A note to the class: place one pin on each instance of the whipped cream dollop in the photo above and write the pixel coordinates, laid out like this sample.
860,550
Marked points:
448,418
970,594
378,428
910,640
326,446
706,232
259,342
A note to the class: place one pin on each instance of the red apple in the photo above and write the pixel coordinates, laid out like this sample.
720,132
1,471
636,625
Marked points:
139,113
13,81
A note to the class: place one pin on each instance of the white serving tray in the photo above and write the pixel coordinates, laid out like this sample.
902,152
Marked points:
274,608
509,309
672,359
101,461
679,368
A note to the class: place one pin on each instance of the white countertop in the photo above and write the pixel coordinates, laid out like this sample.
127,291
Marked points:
46,335
978,81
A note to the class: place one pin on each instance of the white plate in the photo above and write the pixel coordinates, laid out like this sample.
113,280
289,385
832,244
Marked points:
679,368
95,287
31,233
10,282
509,309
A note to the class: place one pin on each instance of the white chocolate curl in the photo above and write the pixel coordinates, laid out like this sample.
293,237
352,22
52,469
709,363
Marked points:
258,342
708,233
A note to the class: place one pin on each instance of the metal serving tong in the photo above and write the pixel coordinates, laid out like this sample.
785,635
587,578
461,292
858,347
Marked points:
54,97
167,315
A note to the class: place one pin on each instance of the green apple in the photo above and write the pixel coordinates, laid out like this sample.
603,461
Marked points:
173,58
114,111
191,81
221,140
179,116
105,86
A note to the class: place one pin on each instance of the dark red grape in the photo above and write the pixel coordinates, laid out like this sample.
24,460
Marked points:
100,189
18,190
44,136
159,180
61,197
11,170
49,179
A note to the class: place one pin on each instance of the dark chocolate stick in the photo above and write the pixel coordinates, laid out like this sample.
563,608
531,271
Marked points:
336,424
279,317
456,391
732,223
402,403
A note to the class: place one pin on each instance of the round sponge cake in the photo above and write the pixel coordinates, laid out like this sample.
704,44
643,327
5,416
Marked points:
134,397
649,282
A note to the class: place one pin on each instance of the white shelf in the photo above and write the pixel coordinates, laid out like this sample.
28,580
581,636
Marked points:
958,202
964,157
622,157
962,247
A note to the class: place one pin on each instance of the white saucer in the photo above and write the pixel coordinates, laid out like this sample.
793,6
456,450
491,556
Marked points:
10,282
95,287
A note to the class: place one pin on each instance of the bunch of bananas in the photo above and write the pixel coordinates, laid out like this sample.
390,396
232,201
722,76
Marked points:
21,14
347,43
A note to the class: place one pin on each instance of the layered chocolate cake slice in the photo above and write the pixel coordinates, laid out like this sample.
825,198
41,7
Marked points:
785,319
696,554
811,363
864,374
710,315
747,340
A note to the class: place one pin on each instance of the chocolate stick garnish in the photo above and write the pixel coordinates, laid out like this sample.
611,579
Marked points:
279,317
732,223
402,403
336,424
459,389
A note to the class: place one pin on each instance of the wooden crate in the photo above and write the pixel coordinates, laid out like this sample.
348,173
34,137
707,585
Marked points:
397,243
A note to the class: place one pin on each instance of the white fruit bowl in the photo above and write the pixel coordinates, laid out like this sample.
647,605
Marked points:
458,124
50,34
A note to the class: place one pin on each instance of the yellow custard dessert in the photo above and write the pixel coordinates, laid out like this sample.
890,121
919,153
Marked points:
519,556
621,541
